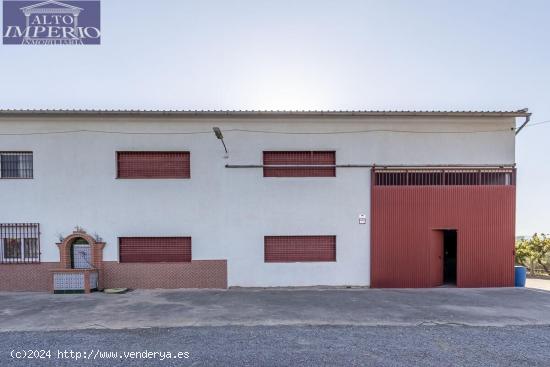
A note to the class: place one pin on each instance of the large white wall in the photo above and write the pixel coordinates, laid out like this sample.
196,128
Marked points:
228,211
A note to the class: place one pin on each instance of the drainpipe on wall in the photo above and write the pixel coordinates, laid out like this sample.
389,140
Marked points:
527,119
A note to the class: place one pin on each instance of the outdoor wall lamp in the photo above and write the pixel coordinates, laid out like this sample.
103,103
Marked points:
219,135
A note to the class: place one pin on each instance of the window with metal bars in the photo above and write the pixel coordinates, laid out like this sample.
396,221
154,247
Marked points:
444,177
299,163
153,165
300,249
154,249
19,243
16,165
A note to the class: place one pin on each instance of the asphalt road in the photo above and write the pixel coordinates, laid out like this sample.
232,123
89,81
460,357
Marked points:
274,307
441,345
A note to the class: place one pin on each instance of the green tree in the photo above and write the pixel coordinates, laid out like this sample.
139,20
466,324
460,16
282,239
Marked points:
536,249
523,253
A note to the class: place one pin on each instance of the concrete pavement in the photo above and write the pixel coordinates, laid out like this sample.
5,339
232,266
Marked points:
270,307
542,284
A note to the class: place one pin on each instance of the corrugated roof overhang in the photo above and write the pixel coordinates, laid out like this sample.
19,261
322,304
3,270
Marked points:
258,114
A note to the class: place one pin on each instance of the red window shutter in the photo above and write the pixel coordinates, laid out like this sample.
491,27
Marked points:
154,249
153,165
305,158
299,248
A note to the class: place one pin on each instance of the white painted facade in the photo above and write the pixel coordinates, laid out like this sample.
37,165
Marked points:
228,211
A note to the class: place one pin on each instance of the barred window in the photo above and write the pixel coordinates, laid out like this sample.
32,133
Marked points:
20,243
299,164
12,248
16,165
444,177
31,249
153,165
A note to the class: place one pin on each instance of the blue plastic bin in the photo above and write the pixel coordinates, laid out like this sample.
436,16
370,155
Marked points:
521,276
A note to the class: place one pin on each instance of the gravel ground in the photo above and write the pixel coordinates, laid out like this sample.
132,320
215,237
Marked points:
440,345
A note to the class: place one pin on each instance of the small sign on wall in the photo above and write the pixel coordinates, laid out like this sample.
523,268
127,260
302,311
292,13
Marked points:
362,219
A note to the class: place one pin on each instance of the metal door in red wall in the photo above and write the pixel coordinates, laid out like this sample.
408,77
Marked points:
408,204
436,258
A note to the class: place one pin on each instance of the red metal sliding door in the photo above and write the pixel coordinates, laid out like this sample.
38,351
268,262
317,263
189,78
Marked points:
408,206
436,258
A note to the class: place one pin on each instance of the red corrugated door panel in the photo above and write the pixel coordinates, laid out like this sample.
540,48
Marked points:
436,258
403,218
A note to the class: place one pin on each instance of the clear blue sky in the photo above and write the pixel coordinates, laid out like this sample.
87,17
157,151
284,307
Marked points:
259,54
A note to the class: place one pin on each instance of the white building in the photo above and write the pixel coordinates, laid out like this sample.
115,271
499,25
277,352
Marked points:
86,169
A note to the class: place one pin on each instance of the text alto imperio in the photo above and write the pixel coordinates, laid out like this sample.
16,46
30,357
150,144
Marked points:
52,26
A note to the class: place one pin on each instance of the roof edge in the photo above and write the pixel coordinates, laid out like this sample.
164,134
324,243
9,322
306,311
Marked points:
251,113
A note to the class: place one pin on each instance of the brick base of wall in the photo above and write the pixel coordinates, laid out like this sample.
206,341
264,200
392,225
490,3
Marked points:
27,278
195,274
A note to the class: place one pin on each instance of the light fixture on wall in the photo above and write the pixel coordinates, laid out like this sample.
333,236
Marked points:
219,135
